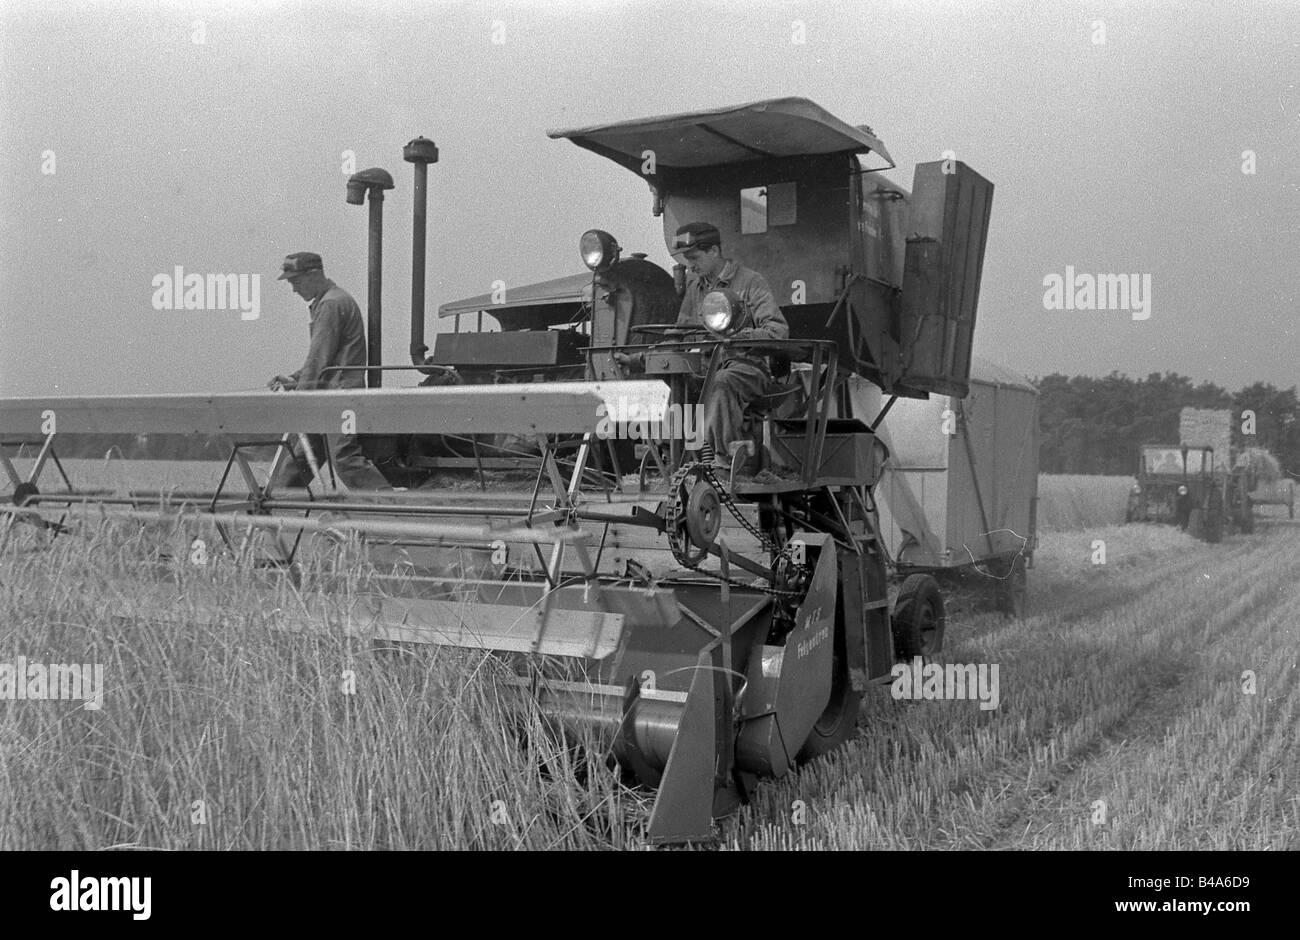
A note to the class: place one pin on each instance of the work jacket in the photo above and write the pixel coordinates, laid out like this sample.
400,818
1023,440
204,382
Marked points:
763,314
338,338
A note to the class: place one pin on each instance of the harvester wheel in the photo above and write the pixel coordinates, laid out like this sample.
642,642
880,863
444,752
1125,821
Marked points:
836,724
1214,526
918,620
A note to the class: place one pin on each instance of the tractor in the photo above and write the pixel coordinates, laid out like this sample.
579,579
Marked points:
1181,484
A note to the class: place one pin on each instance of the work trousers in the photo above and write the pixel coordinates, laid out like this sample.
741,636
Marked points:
735,385
350,464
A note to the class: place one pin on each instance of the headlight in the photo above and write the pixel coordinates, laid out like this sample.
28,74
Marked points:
599,250
1137,489
722,312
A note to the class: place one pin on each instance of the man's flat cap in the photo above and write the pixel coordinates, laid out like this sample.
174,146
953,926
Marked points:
300,262
695,235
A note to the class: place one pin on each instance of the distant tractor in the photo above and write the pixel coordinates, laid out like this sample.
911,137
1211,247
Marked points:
1182,485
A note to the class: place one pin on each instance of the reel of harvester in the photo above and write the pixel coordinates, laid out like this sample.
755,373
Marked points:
698,684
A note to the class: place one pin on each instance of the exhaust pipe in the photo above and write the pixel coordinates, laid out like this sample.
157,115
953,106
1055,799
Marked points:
373,181
420,152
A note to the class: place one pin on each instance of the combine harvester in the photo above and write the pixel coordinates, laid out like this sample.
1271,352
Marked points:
725,628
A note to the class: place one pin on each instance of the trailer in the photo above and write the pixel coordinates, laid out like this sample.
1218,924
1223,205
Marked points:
1268,484
960,487
1276,492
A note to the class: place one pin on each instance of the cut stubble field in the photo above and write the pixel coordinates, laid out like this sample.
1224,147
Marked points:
1126,719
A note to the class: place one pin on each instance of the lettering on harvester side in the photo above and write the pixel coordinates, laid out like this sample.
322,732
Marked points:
804,647
75,893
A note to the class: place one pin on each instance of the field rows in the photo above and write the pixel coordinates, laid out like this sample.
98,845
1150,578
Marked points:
1121,700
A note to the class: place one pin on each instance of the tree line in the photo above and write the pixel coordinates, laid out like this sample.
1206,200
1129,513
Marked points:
1096,425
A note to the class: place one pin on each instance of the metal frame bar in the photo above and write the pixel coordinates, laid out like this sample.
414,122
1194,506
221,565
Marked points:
258,495
43,456
825,365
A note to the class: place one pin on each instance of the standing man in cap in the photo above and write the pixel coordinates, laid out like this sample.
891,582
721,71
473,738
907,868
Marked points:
338,338
743,375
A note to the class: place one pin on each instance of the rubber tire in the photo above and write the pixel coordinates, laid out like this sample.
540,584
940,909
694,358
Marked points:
919,602
1196,523
1012,593
1214,526
838,722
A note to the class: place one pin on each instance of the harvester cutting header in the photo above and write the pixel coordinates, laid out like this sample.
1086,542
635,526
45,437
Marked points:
727,603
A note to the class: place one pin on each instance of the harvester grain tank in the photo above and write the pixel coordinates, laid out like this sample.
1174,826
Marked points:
724,626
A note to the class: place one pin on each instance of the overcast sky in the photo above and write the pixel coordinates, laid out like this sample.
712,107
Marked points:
138,137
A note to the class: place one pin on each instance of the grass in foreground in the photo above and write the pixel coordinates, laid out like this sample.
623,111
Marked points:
255,733
1121,695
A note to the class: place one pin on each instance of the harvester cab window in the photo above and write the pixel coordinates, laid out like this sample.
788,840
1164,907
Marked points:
753,210
764,206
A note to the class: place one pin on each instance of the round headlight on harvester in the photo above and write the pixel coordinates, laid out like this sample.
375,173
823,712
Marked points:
722,312
1137,489
599,249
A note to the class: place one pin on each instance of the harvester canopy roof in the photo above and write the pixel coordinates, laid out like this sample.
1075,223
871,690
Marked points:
573,289
761,130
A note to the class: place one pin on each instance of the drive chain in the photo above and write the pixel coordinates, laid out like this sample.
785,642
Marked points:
677,499
730,503
679,543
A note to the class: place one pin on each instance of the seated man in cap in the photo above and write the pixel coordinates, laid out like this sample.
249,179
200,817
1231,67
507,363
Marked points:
338,338
743,375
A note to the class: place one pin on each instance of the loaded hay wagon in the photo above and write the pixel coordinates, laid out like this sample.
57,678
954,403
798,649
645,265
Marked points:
723,630
1267,484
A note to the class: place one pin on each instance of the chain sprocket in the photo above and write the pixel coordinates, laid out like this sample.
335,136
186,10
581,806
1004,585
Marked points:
680,487
681,514
727,500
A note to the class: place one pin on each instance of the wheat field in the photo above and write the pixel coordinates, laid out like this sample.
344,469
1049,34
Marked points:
1148,702
1074,501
